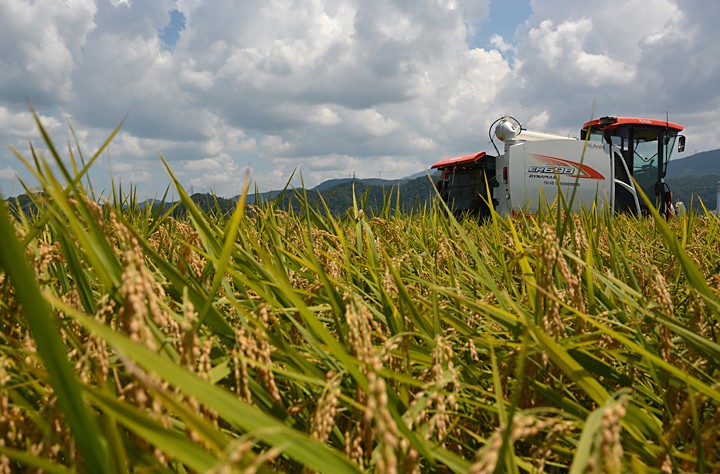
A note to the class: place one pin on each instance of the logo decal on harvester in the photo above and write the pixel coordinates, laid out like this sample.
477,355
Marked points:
558,166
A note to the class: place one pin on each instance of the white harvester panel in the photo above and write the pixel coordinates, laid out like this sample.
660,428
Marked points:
535,168
538,171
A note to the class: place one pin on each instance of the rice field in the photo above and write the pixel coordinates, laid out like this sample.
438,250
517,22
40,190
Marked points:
273,341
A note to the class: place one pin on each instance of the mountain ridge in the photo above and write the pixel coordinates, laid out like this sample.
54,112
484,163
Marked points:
700,164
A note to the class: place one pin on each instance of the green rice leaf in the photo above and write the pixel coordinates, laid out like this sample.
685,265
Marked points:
45,331
28,460
583,451
170,442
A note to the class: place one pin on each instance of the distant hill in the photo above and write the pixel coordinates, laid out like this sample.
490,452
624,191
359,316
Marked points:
257,198
693,189
368,181
421,174
340,186
695,178
700,164
26,204
373,196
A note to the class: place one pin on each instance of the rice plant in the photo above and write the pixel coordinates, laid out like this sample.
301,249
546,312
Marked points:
295,341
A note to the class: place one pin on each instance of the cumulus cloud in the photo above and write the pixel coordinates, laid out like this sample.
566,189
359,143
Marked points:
40,44
221,174
335,87
633,58
500,43
8,173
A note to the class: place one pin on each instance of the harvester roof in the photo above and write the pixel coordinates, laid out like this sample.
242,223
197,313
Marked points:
604,123
459,160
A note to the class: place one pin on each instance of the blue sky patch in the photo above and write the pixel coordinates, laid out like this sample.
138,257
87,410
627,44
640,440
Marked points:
171,33
504,18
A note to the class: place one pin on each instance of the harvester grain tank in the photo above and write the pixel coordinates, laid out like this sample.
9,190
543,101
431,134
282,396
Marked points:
603,167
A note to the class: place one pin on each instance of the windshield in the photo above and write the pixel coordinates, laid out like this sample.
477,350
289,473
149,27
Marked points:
645,164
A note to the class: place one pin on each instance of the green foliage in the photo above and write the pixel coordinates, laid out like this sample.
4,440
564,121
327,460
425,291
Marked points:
695,191
328,340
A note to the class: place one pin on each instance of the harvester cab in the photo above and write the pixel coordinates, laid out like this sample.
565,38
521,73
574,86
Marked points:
601,168
641,148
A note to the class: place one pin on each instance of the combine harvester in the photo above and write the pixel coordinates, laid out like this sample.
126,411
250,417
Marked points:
598,168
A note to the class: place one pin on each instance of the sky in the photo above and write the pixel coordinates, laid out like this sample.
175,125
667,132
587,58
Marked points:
265,90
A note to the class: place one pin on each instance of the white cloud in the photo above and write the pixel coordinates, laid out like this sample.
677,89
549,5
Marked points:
275,145
136,173
598,69
423,143
500,43
370,86
40,44
372,122
14,125
561,50
193,78
8,173
640,57
539,121
221,174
